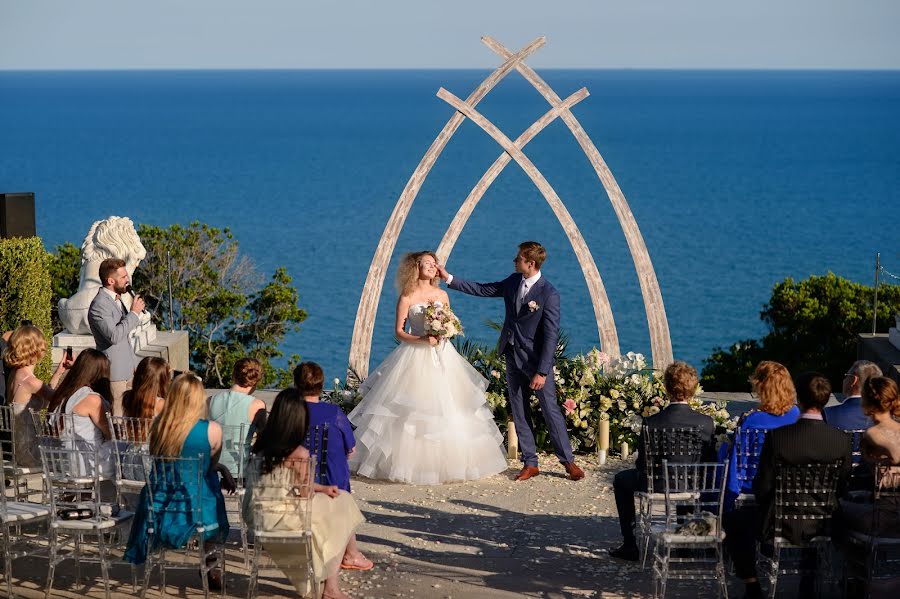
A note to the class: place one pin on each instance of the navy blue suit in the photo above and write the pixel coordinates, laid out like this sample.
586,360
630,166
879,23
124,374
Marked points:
848,415
528,341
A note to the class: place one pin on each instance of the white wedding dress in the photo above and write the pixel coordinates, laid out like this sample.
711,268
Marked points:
423,418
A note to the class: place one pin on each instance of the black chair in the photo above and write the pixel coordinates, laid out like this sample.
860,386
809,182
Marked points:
317,444
806,497
874,555
676,445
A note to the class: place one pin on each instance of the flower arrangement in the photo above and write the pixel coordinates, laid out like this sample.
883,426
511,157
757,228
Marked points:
441,322
590,388
345,395
622,390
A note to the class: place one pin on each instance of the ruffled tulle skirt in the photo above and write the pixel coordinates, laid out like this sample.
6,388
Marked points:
424,420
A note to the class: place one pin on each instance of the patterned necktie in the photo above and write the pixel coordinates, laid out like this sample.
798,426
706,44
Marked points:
522,293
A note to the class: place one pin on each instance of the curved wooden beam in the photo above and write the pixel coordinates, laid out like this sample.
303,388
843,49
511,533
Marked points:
606,325
468,206
660,338
361,343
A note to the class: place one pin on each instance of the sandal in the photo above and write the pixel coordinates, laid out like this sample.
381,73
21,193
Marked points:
357,563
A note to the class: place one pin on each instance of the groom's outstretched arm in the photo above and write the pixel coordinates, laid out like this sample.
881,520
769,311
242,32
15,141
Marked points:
479,289
550,325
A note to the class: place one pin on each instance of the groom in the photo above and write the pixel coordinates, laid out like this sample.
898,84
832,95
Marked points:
528,342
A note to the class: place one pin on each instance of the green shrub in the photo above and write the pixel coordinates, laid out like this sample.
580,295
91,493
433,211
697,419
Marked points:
25,289
813,325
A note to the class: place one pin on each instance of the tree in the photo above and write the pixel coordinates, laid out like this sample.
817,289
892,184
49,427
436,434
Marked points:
213,298
813,325
65,276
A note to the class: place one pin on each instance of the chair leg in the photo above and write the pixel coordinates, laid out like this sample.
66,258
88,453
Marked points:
7,560
104,562
148,570
254,570
53,549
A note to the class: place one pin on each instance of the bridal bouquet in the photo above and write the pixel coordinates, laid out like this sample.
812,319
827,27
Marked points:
441,322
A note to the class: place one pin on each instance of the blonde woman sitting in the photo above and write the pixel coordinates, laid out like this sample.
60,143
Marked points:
334,513
25,391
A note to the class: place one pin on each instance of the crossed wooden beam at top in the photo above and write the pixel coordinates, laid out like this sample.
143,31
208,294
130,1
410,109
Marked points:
513,150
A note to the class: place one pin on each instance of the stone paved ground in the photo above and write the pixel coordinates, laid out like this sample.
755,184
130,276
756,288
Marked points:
489,539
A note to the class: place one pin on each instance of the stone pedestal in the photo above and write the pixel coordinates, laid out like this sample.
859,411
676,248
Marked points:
172,346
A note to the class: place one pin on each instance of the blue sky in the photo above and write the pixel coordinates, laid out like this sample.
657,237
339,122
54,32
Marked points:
140,34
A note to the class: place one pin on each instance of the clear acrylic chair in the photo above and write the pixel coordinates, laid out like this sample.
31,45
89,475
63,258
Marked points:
278,505
805,499
174,487
690,545
78,509
317,444
20,476
675,444
50,429
874,555
748,444
130,441
23,526
236,444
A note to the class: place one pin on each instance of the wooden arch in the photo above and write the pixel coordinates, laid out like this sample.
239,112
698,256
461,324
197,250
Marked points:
360,349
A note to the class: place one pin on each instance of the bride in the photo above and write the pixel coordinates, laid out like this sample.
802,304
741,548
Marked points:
423,418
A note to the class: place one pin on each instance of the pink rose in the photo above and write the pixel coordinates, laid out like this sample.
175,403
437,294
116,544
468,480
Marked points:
569,405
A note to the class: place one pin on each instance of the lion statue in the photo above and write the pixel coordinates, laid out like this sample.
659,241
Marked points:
114,237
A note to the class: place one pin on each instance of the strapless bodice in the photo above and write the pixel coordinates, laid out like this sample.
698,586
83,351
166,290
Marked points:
416,318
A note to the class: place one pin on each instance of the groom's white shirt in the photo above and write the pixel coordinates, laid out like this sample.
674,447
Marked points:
524,286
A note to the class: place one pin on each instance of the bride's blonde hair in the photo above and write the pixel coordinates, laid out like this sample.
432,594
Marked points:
408,271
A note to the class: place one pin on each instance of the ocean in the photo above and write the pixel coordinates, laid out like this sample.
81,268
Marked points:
737,179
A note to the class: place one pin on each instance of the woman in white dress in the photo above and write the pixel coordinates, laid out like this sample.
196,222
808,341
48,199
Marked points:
423,418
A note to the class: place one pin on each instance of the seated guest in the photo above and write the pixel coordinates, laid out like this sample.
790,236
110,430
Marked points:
146,398
879,444
848,415
807,441
181,430
334,513
309,379
236,407
84,394
772,383
680,380
27,346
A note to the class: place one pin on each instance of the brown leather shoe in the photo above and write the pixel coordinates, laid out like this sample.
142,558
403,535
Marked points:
527,472
574,472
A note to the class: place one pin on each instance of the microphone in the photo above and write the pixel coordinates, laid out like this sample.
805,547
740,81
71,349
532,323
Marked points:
129,290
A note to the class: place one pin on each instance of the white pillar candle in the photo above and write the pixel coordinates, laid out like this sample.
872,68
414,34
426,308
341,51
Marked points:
602,440
512,440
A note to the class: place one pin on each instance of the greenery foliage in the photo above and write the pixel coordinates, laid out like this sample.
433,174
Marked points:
65,276
25,289
813,325
217,299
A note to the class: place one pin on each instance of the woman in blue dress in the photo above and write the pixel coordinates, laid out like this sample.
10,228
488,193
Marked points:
772,383
181,430
309,379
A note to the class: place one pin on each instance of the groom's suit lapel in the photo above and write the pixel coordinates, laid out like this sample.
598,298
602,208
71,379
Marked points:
532,294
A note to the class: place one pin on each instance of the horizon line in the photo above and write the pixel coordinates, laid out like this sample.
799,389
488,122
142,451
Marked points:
542,69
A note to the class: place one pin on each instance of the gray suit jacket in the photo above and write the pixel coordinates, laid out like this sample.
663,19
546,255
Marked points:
110,327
